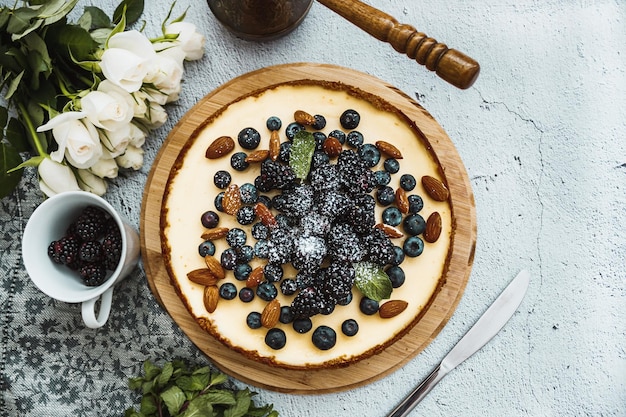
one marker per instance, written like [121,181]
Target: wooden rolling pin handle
[451,65]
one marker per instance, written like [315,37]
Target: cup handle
[89,310]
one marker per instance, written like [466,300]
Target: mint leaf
[301,153]
[240,408]
[174,398]
[199,407]
[372,281]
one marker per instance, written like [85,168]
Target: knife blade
[485,328]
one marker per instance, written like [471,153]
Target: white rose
[137,136]
[55,178]
[165,74]
[116,141]
[89,182]
[109,111]
[145,96]
[105,167]
[132,158]
[77,139]
[126,60]
[155,115]
[190,40]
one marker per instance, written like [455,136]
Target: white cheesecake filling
[191,192]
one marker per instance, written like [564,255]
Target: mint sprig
[372,281]
[175,390]
[301,153]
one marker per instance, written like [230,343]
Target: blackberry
[416,204]
[249,193]
[236,237]
[315,224]
[370,154]
[304,279]
[93,274]
[309,252]
[288,286]
[355,139]
[320,122]
[292,129]
[298,200]
[238,161]
[222,179]
[391,165]
[354,175]
[91,223]
[307,303]
[324,338]
[339,278]
[276,175]
[362,216]
[112,249]
[65,250]
[261,249]
[273,123]
[280,245]
[385,195]
[324,178]
[273,272]
[339,135]
[260,231]
[249,138]
[246,215]
[407,182]
[413,246]
[350,119]
[319,159]
[90,251]
[265,200]
[379,248]
[333,204]
[344,244]
[275,338]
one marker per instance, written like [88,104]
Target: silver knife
[487,326]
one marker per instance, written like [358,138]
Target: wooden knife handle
[451,65]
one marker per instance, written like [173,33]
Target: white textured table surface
[542,134]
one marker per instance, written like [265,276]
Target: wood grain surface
[327,380]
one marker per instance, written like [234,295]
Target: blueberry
[273,272]
[382,178]
[324,337]
[210,219]
[245,254]
[399,256]
[249,138]
[228,259]
[302,325]
[414,224]
[265,200]
[368,306]
[385,196]
[319,140]
[319,158]
[218,201]
[320,122]
[392,216]
[354,139]
[249,193]
[242,271]
[273,123]
[228,291]
[288,286]
[278,201]
[246,294]
[236,237]
[238,161]
[350,327]
[276,339]
[369,154]
[286,316]
[339,135]
[284,152]
[261,249]
[221,179]
[413,246]
[345,300]
[396,276]
[206,248]
[416,204]
[260,231]
[253,320]
[407,182]
[246,215]
[266,291]
[292,129]
[391,165]
[350,119]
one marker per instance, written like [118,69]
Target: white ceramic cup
[48,223]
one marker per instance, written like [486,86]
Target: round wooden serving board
[367,370]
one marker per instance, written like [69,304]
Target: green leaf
[13,85]
[220,396]
[21,21]
[4,118]
[9,158]
[199,407]
[241,407]
[301,153]
[165,375]
[76,41]
[217,378]
[372,281]
[148,405]
[174,398]
[134,10]
[193,382]
[99,18]
[16,135]
[55,10]
[150,370]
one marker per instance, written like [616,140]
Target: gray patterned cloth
[50,363]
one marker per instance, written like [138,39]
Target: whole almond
[211,298]
[214,266]
[215,234]
[255,278]
[231,203]
[265,215]
[270,314]
[433,227]
[392,308]
[304,118]
[388,149]
[402,201]
[274,145]
[202,276]
[332,147]
[220,147]
[435,188]
[258,156]
[390,231]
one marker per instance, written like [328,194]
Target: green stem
[31,130]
